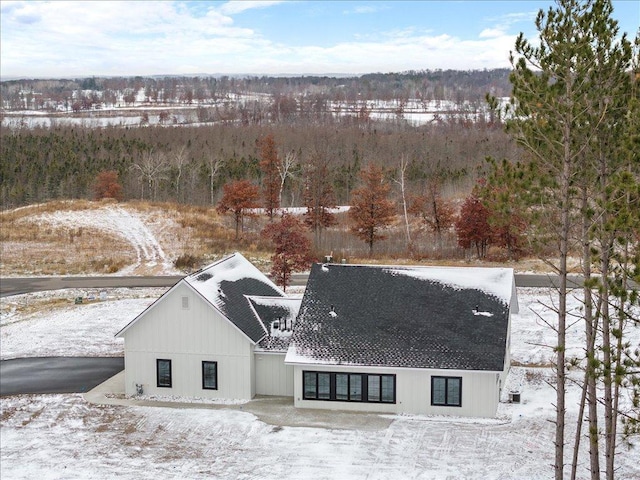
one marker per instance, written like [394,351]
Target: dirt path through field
[128,224]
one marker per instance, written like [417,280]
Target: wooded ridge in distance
[190,165]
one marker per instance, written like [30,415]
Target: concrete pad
[276,411]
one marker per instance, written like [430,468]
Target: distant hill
[168,90]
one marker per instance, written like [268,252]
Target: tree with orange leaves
[371,210]
[472,226]
[107,186]
[238,197]
[292,248]
[269,163]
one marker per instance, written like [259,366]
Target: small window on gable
[185,303]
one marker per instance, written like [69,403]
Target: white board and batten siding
[480,391]
[273,377]
[187,331]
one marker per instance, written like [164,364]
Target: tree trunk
[565,223]
[591,321]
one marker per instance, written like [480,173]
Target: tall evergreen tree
[569,94]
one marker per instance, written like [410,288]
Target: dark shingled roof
[270,309]
[380,316]
[227,284]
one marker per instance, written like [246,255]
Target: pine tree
[566,93]
[504,193]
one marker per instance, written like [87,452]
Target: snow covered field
[142,231]
[63,436]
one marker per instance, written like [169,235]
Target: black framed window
[163,372]
[209,375]
[349,387]
[446,391]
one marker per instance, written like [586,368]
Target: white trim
[150,307]
[379,367]
[255,314]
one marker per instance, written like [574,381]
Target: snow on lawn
[53,325]
[62,436]
[532,339]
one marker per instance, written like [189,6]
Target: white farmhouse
[219,333]
[420,340]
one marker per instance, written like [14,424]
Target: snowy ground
[140,230]
[62,436]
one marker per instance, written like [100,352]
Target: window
[210,375]
[185,303]
[381,388]
[342,386]
[163,372]
[355,387]
[446,391]
[349,387]
[324,386]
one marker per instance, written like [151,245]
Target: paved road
[56,374]
[17,285]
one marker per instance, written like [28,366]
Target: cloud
[366,9]
[507,22]
[75,39]
[238,6]
[491,33]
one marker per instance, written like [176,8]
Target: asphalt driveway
[56,374]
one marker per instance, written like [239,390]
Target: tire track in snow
[150,257]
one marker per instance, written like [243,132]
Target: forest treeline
[191,164]
[425,85]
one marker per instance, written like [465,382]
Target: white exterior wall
[507,355]
[480,391]
[273,377]
[187,337]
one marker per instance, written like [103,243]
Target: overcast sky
[76,39]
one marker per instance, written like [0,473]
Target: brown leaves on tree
[269,163]
[318,198]
[292,248]
[437,213]
[238,197]
[371,210]
[472,226]
[107,186]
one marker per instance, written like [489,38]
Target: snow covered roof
[419,317]
[282,311]
[228,285]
